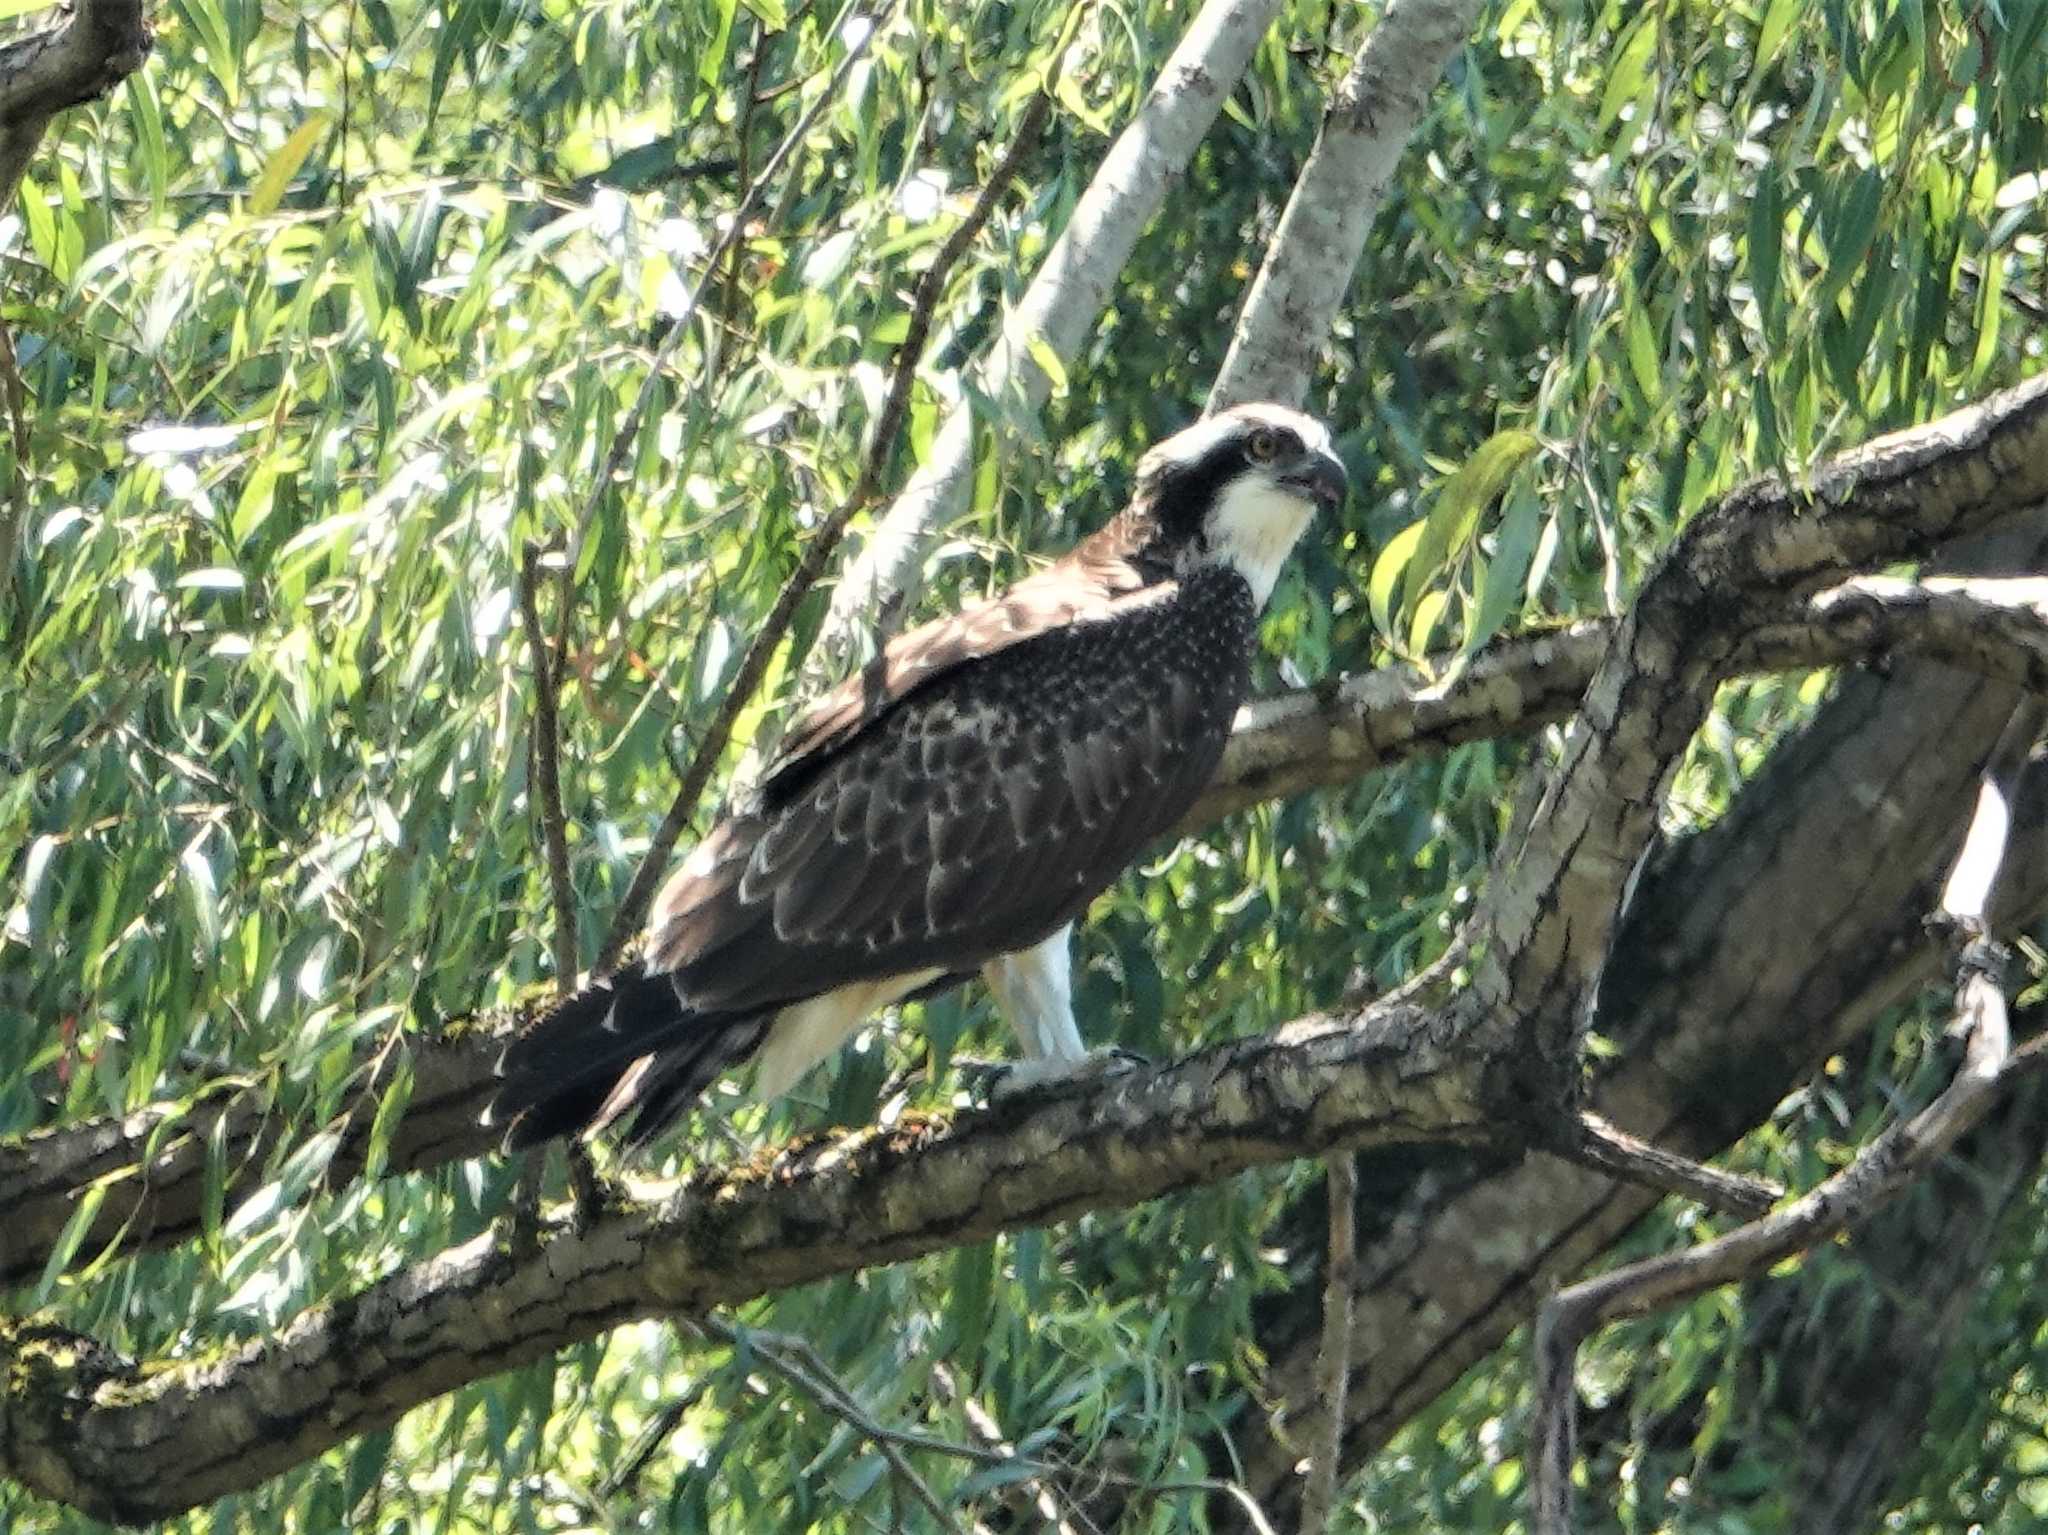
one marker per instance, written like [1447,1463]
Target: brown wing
[1084,585]
[973,815]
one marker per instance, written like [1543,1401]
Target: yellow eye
[1263,446]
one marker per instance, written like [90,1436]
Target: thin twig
[990,1433]
[1631,1159]
[15,517]
[739,693]
[742,137]
[1213,1486]
[547,770]
[1333,1362]
[348,48]
[652,1438]
[816,1380]
[750,200]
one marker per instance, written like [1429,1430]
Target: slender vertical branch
[547,770]
[1308,266]
[775,627]
[752,194]
[742,138]
[14,515]
[1333,1364]
[1062,305]
[1592,1141]
[1966,898]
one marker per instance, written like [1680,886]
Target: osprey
[954,807]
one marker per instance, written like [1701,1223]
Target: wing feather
[980,811]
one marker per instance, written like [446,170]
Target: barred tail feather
[621,1043]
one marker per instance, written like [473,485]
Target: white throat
[1254,528]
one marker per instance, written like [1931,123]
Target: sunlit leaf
[284,163]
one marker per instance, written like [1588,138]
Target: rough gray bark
[1059,309]
[131,1441]
[1300,287]
[80,59]
[1282,746]
[123,1442]
[1752,950]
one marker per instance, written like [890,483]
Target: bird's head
[1237,488]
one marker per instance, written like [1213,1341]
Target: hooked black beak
[1321,478]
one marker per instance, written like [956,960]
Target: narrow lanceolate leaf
[1631,75]
[1387,572]
[1049,363]
[147,116]
[1454,519]
[1766,244]
[66,1246]
[284,164]
[1851,230]
[1776,28]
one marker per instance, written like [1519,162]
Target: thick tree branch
[1316,737]
[86,55]
[1995,626]
[1282,746]
[1308,266]
[129,1443]
[1059,309]
[1544,926]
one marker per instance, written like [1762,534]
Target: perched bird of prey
[954,807]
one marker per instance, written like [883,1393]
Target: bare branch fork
[1393,1073]
[153,1160]
[1881,1171]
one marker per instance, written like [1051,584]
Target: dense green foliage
[322,317]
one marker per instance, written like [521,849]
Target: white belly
[804,1034]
